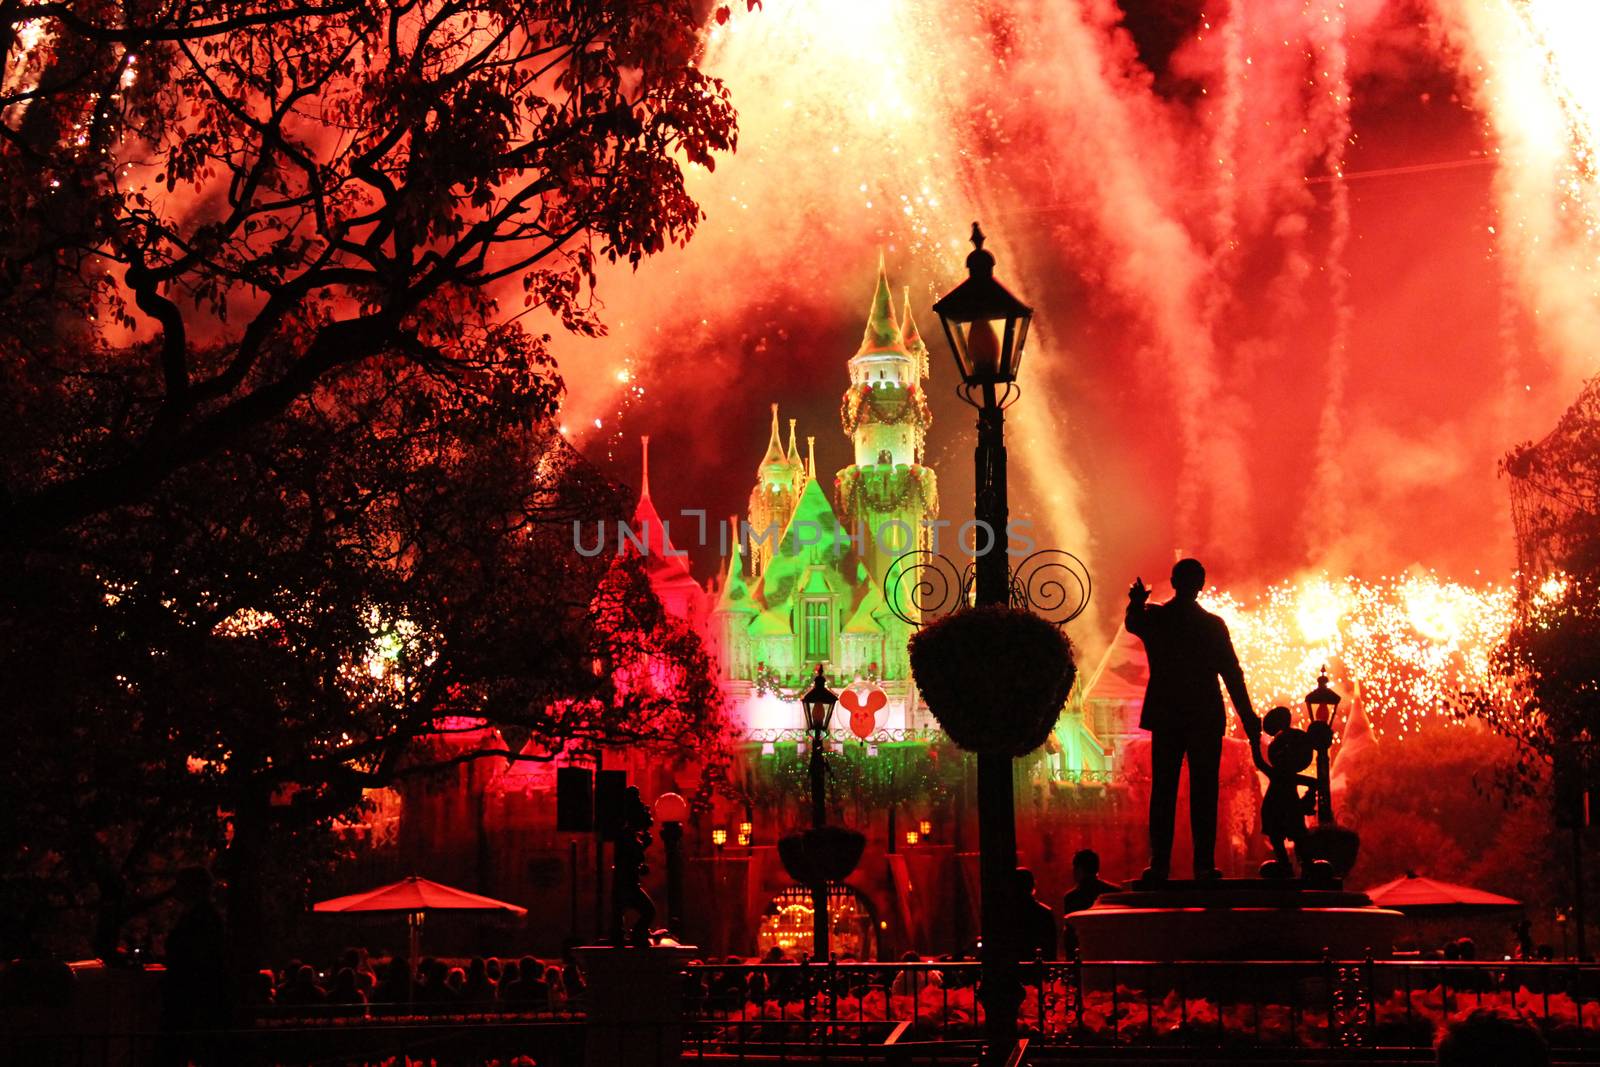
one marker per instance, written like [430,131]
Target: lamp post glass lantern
[985,325]
[818,703]
[987,329]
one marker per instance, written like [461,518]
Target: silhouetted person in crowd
[910,982]
[1189,649]
[301,989]
[555,995]
[528,992]
[195,986]
[571,975]
[1036,924]
[346,992]
[479,988]
[1522,930]
[1488,1038]
[395,985]
[1087,886]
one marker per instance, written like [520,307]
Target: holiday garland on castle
[890,405]
[863,489]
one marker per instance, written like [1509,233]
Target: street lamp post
[1322,704]
[986,327]
[671,812]
[818,703]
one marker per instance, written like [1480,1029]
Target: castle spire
[913,339]
[775,444]
[793,450]
[735,594]
[882,331]
[811,457]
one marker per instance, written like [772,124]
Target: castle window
[816,630]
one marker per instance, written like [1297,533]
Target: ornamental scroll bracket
[922,586]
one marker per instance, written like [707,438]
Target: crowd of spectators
[484,983]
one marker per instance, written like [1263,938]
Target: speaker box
[574,799]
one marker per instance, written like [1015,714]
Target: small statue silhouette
[628,866]
[1283,810]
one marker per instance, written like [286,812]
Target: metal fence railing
[1319,1005]
[923,1012]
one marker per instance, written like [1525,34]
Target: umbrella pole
[413,942]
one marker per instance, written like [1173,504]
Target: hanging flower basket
[816,856]
[995,677]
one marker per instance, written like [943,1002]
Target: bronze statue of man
[628,867]
[1189,649]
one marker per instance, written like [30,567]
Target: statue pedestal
[633,1001]
[1235,919]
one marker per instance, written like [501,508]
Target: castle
[804,580]
[804,584]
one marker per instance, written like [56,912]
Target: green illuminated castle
[804,585]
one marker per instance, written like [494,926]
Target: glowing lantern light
[1322,703]
[719,837]
[912,837]
[925,828]
[671,807]
[818,703]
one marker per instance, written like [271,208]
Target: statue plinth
[1235,919]
[633,1003]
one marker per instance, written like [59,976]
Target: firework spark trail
[1106,131]
[1330,101]
[1225,142]
[1410,645]
[1530,63]
[869,122]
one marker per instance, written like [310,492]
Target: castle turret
[647,536]
[779,479]
[887,496]
[913,338]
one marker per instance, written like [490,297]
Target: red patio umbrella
[415,898]
[1416,895]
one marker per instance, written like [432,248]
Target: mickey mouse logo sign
[863,702]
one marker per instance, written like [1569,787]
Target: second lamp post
[818,703]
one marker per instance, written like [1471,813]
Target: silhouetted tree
[280,494]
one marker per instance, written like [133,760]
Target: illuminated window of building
[816,631]
[786,925]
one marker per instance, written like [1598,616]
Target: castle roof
[775,456]
[813,538]
[668,569]
[735,595]
[883,332]
[1122,672]
[912,336]
[864,620]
